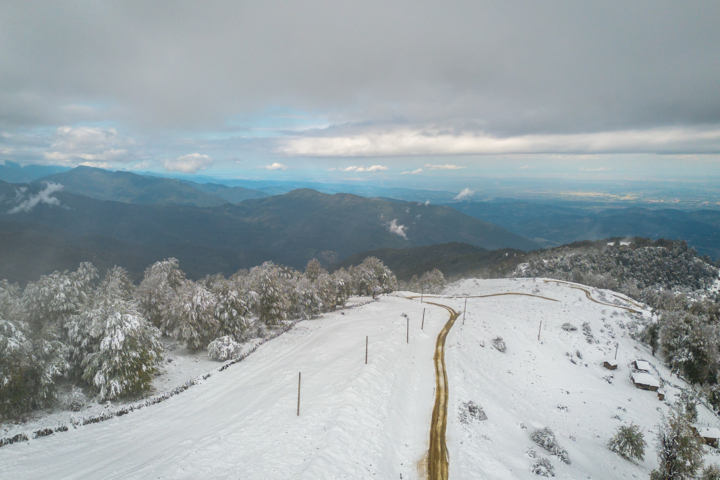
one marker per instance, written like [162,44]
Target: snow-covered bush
[569,327]
[74,400]
[542,467]
[628,442]
[115,349]
[224,348]
[471,411]
[546,439]
[711,472]
[499,344]
[313,270]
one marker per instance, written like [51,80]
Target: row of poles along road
[367,340]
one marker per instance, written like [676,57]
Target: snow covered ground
[372,421]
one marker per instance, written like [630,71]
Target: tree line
[106,332]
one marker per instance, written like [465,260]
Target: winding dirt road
[589,296]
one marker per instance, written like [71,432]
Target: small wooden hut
[645,381]
[709,435]
[610,364]
[643,366]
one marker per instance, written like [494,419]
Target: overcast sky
[361,90]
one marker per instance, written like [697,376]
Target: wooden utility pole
[408,329]
[366,349]
[422,327]
[299,378]
[616,349]
[464,309]
[539,330]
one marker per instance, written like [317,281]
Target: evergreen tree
[628,442]
[679,450]
[158,289]
[192,318]
[115,349]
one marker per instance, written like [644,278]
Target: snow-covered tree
[628,442]
[372,277]
[272,300]
[158,289]
[305,301]
[232,306]
[690,345]
[115,349]
[192,315]
[679,450]
[344,286]
[50,301]
[313,270]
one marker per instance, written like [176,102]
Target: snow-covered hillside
[372,421]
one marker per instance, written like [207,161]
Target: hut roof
[612,363]
[644,379]
[708,432]
[642,365]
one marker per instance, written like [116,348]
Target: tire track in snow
[438,455]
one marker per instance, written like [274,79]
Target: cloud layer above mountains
[369,79]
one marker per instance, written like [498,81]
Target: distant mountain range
[552,225]
[290,228]
[12,172]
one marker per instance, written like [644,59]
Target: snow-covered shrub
[115,349]
[157,292]
[471,411]
[542,467]
[546,439]
[74,400]
[499,344]
[628,442]
[224,348]
[313,270]
[711,472]
[587,331]
[679,450]
[569,327]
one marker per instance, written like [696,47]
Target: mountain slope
[230,194]
[129,187]
[12,172]
[299,225]
[554,224]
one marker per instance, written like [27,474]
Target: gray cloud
[27,201]
[468,70]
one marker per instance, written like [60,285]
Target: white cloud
[414,172]
[525,167]
[443,167]
[397,229]
[188,163]
[75,145]
[355,168]
[424,142]
[599,169]
[464,194]
[26,204]
[275,166]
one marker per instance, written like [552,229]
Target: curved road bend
[589,296]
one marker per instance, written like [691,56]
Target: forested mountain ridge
[129,187]
[558,224]
[290,229]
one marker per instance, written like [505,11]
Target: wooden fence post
[422,327]
[539,329]
[616,349]
[408,329]
[299,378]
[464,309]
[366,349]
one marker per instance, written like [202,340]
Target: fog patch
[27,203]
[397,229]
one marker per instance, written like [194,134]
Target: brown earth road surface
[589,296]
[438,455]
[438,462]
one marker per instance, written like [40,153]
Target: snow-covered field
[372,421]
